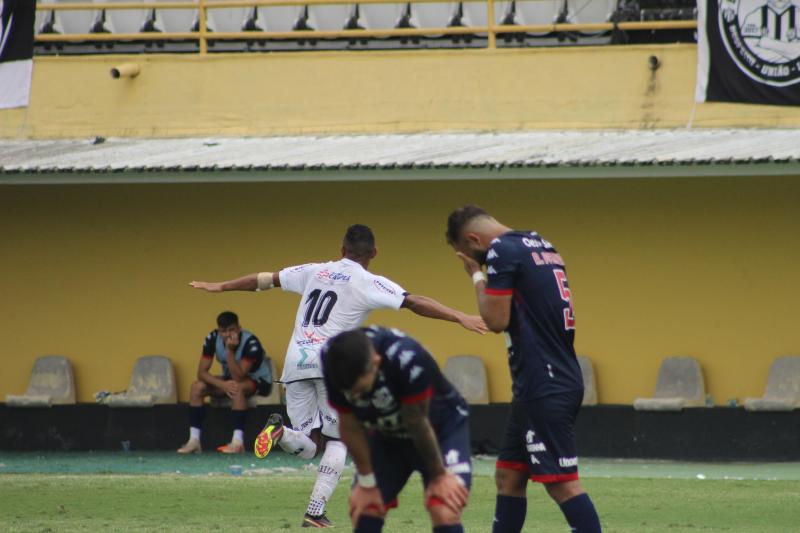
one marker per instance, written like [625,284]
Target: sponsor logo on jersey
[383,400]
[333,277]
[531,243]
[492,254]
[567,462]
[385,288]
[451,457]
[529,436]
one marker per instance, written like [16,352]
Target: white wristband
[264,281]
[478,277]
[366,481]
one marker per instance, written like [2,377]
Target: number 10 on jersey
[566,295]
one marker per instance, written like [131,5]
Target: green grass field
[650,497]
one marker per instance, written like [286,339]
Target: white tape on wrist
[477,277]
[367,481]
[265,281]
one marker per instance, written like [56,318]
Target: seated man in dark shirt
[398,414]
[245,371]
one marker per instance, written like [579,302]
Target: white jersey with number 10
[336,297]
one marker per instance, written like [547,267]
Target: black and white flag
[16,51]
[748,51]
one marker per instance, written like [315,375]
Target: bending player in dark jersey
[398,414]
[527,296]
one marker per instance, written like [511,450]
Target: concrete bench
[468,375]
[152,382]
[52,382]
[680,384]
[783,387]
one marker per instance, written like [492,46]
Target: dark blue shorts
[540,438]
[393,460]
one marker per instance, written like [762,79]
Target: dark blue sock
[239,418]
[453,528]
[509,514]
[196,415]
[581,514]
[369,524]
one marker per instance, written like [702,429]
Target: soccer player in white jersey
[336,296]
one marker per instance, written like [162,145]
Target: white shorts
[308,408]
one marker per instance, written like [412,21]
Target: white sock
[328,474]
[194,433]
[238,435]
[297,443]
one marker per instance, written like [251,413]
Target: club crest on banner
[761,37]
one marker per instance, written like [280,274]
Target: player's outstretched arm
[365,496]
[251,282]
[430,308]
[443,485]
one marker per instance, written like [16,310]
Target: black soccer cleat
[316,521]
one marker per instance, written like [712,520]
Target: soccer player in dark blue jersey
[398,414]
[525,294]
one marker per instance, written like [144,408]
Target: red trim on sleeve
[499,292]
[340,408]
[206,356]
[554,478]
[512,465]
[424,395]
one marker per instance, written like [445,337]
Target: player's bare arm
[205,376]
[238,369]
[430,308]
[494,309]
[443,485]
[365,496]
[251,282]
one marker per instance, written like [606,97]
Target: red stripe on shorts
[554,478]
[511,465]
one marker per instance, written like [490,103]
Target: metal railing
[203,35]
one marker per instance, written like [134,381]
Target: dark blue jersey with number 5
[541,331]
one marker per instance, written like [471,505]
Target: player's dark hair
[347,357]
[359,242]
[227,319]
[459,218]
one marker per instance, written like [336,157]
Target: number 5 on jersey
[566,295]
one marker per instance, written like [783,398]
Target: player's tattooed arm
[415,417]
[249,282]
[430,308]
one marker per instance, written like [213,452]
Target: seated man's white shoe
[191,446]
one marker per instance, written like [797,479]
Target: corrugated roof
[447,150]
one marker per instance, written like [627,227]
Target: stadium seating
[152,382]
[381,16]
[475,13]
[175,20]
[333,17]
[274,397]
[468,375]
[279,18]
[52,382]
[591,11]
[589,383]
[680,384]
[783,387]
[67,21]
[124,20]
[540,12]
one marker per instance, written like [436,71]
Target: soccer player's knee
[198,388]
[510,482]
[440,513]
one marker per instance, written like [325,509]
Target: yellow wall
[704,267]
[398,91]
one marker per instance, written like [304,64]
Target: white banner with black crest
[16,52]
[748,51]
